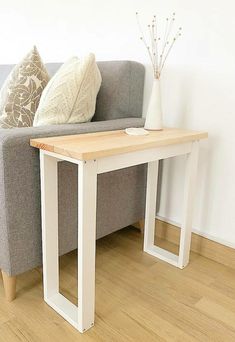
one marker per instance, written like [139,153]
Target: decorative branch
[170,48]
[168,29]
[158,56]
[142,37]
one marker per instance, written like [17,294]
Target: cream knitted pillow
[70,95]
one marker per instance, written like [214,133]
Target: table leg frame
[182,259]
[81,316]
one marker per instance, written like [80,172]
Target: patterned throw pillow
[70,96]
[21,92]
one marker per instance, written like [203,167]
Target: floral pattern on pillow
[21,92]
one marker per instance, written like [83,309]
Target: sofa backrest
[121,92]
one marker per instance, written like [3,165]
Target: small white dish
[136,131]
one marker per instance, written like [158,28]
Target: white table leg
[150,215]
[49,204]
[87,185]
[185,238]
[150,211]
[189,191]
[81,316]
[49,207]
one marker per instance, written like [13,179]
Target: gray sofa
[120,193]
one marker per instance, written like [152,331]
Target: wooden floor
[137,299]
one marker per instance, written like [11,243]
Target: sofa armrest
[18,134]
[20,221]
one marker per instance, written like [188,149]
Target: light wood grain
[103,144]
[9,286]
[137,298]
[201,245]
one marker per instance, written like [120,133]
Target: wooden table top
[102,144]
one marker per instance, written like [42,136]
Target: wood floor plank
[138,298]
[216,311]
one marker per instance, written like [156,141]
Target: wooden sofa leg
[139,225]
[9,284]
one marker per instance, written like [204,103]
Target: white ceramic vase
[154,113]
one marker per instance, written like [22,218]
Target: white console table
[96,153]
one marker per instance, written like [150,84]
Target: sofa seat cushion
[70,96]
[21,92]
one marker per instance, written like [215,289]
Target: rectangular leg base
[67,310]
[164,255]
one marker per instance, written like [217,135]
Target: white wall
[198,83]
